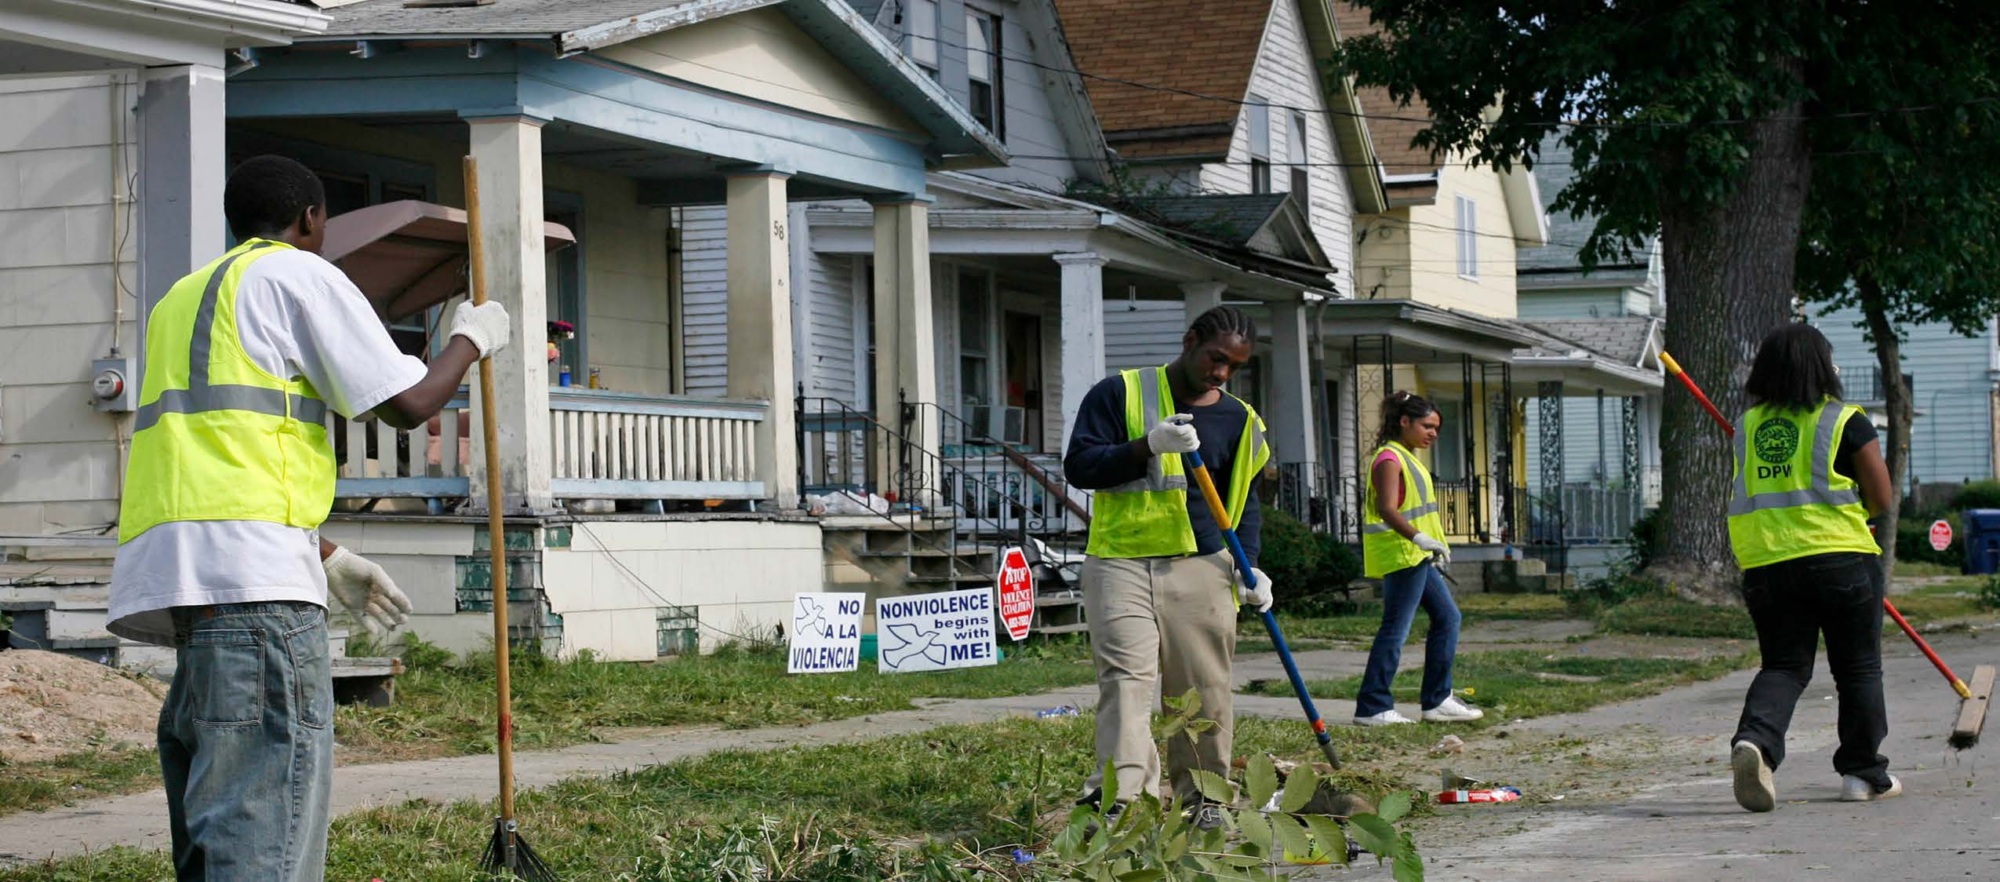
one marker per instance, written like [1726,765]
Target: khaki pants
[1160,625]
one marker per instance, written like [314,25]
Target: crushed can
[1492,794]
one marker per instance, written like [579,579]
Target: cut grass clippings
[447,711]
[908,807]
[1508,685]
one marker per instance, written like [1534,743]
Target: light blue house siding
[1952,378]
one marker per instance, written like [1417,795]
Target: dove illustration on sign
[810,619]
[912,643]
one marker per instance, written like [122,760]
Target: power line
[1572,124]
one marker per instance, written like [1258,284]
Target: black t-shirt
[1859,431]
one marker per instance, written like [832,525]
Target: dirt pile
[52,704]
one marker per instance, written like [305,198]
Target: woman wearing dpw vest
[1809,473]
[1159,589]
[1400,545]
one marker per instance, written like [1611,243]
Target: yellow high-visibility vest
[1149,517]
[217,437]
[1383,550]
[1788,502]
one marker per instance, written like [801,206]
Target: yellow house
[1434,310]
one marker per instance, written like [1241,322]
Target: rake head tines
[509,855]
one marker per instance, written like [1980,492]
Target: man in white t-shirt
[219,553]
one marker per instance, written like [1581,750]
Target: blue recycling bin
[1979,532]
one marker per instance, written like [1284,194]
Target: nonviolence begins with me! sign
[935,632]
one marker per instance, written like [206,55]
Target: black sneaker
[1206,816]
[1093,799]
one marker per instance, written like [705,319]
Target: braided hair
[1223,320]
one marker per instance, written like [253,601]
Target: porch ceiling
[598,115]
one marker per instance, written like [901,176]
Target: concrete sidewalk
[1677,818]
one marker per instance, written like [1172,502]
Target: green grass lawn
[1510,685]
[447,710]
[911,807]
[1320,632]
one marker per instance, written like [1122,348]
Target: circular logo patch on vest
[1777,440]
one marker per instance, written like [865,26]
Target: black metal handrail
[1018,499]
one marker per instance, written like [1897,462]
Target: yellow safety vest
[1149,517]
[217,437]
[1383,550]
[1788,501]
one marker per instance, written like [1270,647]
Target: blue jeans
[246,743]
[1402,592]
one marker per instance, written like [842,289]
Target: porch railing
[999,491]
[602,446]
[379,462]
[609,445]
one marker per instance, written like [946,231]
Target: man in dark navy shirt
[1160,589]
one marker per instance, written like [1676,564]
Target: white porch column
[1290,417]
[905,345]
[181,175]
[760,322]
[1082,331]
[509,150]
[1200,297]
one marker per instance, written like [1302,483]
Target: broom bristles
[1964,740]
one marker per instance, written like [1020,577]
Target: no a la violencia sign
[1017,593]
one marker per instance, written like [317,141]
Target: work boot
[1853,789]
[1754,788]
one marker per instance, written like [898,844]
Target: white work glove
[1175,434]
[486,325]
[1259,594]
[366,590]
[1433,546]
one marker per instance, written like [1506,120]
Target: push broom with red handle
[1957,685]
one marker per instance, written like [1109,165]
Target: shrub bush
[1308,569]
[1978,494]
[1913,541]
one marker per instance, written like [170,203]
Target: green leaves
[1214,786]
[1299,789]
[1394,806]
[1260,780]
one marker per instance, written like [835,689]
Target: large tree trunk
[1729,271]
[1896,399]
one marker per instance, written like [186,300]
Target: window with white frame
[920,35]
[1296,155]
[1260,144]
[975,348]
[982,68]
[1468,238]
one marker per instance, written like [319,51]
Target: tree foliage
[1705,121]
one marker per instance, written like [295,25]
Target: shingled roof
[1175,47]
[1625,340]
[1391,126]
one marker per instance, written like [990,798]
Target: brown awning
[408,256]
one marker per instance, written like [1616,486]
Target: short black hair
[266,193]
[1223,320]
[1794,369]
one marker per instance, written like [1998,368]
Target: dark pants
[1403,591]
[1794,603]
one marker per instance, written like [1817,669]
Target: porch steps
[1523,576]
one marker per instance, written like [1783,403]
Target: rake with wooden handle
[506,852]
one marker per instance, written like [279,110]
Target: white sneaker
[1853,789]
[1451,710]
[1754,789]
[1385,718]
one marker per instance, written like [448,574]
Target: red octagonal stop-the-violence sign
[1017,593]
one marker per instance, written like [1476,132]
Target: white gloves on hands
[366,590]
[486,325]
[1260,594]
[1433,546]
[1175,434]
